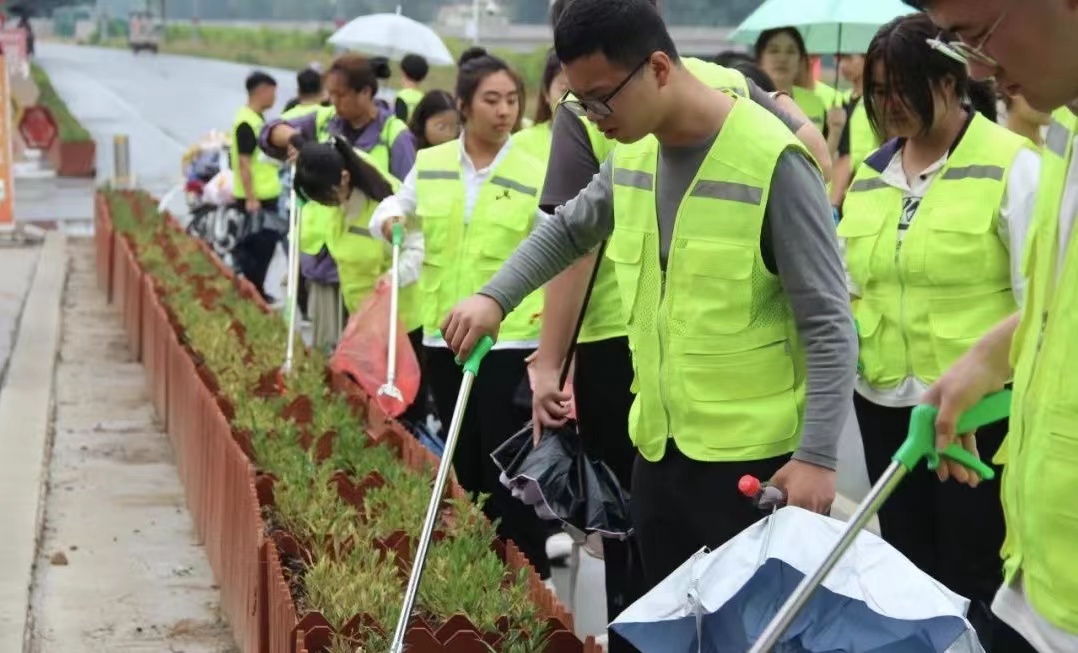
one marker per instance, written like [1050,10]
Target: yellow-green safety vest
[810,103]
[829,95]
[535,140]
[604,318]
[1040,483]
[461,258]
[317,217]
[411,98]
[922,306]
[265,172]
[717,361]
[863,139]
[362,259]
[301,110]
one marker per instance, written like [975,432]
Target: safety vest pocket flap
[867,320]
[967,318]
[860,225]
[948,217]
[744,375]
[718,261]
[626,247]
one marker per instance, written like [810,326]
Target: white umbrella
[873,600]
[392,36]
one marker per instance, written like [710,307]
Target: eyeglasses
[601,107]
[965,53]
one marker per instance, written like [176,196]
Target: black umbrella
[558,477]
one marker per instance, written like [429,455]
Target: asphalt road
[164,103]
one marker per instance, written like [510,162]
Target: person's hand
[806,485]
[383,281]
[836,119]
[252,205]
[470,320]
[959,389]
[550,404]
[387,226]
[295,143]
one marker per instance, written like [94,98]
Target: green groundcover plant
[344,573]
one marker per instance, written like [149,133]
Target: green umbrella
[828,26]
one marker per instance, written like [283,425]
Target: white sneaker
[559,546]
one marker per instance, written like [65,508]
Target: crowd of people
[680,214]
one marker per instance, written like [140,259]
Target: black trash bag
[561,482]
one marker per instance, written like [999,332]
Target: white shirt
[1015,216]
[404,204]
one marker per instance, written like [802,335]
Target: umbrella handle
[921,441]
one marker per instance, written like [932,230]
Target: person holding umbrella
[1029,48]
[934,228]
[743,346]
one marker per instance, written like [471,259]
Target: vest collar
[880,159]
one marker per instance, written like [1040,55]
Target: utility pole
[475,22]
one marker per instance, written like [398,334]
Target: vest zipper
[902,309]
[661,330]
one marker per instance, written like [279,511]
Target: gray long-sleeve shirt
[798,243]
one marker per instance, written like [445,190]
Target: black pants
[603,375]
[490,418]
[419,409]
[254,251]
[680,505]
[950,531]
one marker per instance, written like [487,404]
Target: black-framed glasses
[967,54]
[601,107]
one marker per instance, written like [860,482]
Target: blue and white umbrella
[873,601]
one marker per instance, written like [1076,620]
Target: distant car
[144,32]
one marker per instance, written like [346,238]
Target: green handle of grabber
[482,348]
[398,234]
[921,441]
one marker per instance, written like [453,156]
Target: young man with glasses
[730,279]
[1030,48]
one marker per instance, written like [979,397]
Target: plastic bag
[364,348]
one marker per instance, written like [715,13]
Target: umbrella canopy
[563,483]
[828,26]
[393,36]
[874,601]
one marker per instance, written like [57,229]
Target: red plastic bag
[364,346]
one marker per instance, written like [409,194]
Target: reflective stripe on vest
[923,304]
[265,172]
[460,259]
[1040,480]
[716,358]
[605,318]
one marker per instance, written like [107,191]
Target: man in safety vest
[730,279]
[1029,47]
[414,69]
[256,181]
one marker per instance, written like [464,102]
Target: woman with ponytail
[350,185]
[475,199]
[933,230]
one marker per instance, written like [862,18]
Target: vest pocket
[626,250]
[861,232]
[747,396]
[870,364]
[436,238]
[958,324]
[501,237]
[957,248]
[717,300]
[1053,510]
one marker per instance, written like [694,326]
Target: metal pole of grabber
[294,216]
[865,512]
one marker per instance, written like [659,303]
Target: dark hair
[983,98]
[257,79]
[768,34]
[319,167]
[415,67]
[626,32]
[359,72]
[433,103]
[309,82]
[475,66]
[743,63]
[731,58]
[912,67]
[473,52]
[543,113]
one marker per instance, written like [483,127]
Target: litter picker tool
[292,305]
[471,370]
[389,390]
[920,445]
